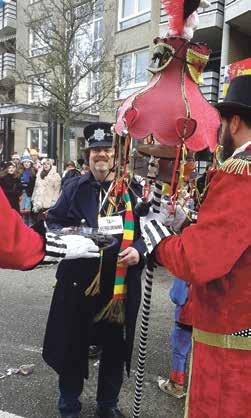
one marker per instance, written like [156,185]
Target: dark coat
[28,186]
[69,176]
[13,189]
[70,328]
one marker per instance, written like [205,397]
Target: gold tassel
[114,311]
[182,166]
[94,288]
[236,166]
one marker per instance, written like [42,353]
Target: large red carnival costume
[214,255]
[20,247]
[172,103]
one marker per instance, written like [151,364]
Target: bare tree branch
[65,59]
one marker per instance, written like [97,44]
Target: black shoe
[109,413]
[76,415]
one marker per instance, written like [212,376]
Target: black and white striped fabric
[143,339]
[243,333]
[154,232]
[157,193]
[55,249]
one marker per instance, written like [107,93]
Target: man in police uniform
[71,327]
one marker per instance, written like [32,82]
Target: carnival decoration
[235,69]
[173,121]
[171,103]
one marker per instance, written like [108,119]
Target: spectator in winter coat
[47,187]
[69,173]
[84,166]
[16,159]
[35,158]
[11,185]
[28,177]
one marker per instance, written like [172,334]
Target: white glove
[68,247]
[78,246]
[157,226]
[179,218]
[173,217]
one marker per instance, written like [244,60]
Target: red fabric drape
[20,247]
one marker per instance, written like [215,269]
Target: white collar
[242,148]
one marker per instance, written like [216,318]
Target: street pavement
[24,303]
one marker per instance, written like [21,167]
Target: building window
[132,72]
[36,92]
[39,42]
[214,62]
[133,12]
[88,47]
[38,138]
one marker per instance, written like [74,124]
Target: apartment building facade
[32,124]
[7,66]
[225,26]
[132,25]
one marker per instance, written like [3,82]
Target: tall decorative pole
[156,202]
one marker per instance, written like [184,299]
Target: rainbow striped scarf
[114,311]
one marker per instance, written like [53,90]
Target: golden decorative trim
[236,166]
[221,340]
[196,62]
[186,413]
[166,59]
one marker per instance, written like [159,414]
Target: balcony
[212,16]
[210,27]
[238,14]
[210,87]
[7,66]
[211,24]
[8,13]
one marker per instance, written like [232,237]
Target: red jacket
[215,256]
[21,248]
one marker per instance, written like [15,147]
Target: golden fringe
[236,166]
[114,311]
[94,288]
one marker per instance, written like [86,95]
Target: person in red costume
[22,248]
[215,256]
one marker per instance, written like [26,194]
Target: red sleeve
[208,250]
[21,248]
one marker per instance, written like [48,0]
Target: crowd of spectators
[32,185]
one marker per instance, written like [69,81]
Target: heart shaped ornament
[131,116]
[185,127]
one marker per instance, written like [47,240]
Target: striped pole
[146,313]
[156,202]
[143,338]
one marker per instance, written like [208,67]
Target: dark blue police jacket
[70,327]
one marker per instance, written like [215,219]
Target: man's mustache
[98,159]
